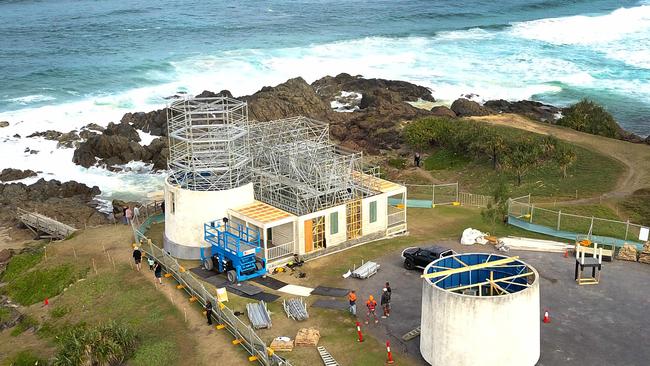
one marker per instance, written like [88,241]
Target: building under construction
[285,178]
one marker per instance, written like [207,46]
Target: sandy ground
[636,157]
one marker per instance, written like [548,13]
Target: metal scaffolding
[208,143]
[292,162]
[298,169]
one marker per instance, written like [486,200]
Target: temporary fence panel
[470,199]
[526,215]
[224,315]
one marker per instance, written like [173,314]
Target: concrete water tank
[488,316]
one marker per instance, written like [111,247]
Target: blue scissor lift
[234,251]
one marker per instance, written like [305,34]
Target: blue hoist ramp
[234,251]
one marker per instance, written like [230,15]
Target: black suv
[421,257]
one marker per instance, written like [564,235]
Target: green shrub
[21,263]
[34,286]
[108,344]
[5,314]
[445,159]
[637,206]
[24,358]
[587,116]
[398,163]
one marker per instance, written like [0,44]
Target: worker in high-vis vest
[371,304]
[352,298]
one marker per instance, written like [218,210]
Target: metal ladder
[412,334]
[328,360]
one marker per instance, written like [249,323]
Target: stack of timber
[644,257]
[535,245]
[627,253]
[307,337]
[282,344]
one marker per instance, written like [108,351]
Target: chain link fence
[148,214]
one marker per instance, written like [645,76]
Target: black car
[421,257]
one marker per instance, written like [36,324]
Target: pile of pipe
[366,270]
[295,308]
[259,315]
[535,245]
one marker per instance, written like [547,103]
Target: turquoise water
[91,60]
[66,63]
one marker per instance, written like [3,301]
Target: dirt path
[212,344]
[635,157]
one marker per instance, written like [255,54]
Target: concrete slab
[605,324]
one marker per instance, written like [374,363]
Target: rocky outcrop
[122,129]
[67,202]
[466,108]
[154,122]
[111,150]
[70,139]
[11,174]
[292,98]
[533,110]
[329,87]
[442,111]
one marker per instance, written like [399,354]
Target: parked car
[421,257]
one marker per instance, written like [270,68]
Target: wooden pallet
[412,334]
[328,360]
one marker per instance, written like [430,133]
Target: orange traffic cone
[566,253]
[547,319]
[46,302]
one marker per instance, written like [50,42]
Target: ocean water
[66,63]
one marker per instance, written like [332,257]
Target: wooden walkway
[40,224]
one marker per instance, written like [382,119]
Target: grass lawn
[591,175]
[113,294]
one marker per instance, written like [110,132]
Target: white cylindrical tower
[488,316]
[210,169]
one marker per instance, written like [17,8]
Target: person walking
[162,207]
[151,262]
[387,285]
[208,311]
[385,302]
[416,159]
[352,298]
[129,215]
[157,271]
[137,257]
[371,304]
[136,211]
[124,220]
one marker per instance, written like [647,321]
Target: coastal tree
[522,156]
[497,209]
[564,156]
[493,145]
[587,116]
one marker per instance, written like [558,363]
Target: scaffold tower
[208,143]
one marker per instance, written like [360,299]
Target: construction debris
[259,315]
[328,360]
[627,253]
[644,257]
[472,236]
[535,245]
[366,270]
[282,344]
[307,337]
[296,309]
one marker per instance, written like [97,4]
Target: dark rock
[209,94]
[4,124]
[66,202]
[292,98]
[122,129]
[329,87]
[465,108]
[533,110]
[159,152]
[68,140]
[100,147]
[48,135]
[10,174]
[154,122]
[442,111]
[17,136]
[33,152]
